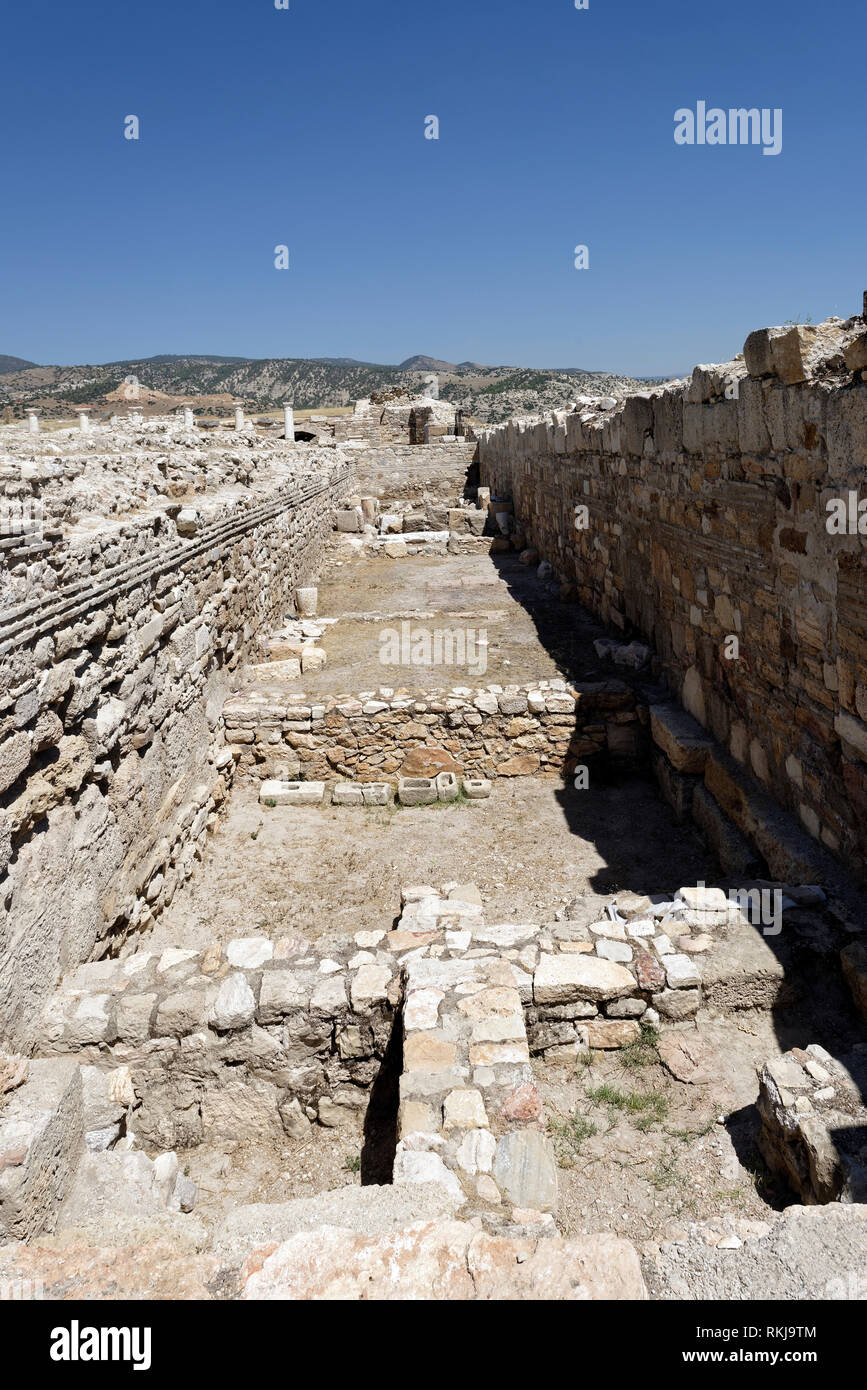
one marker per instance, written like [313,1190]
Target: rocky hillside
[485,393]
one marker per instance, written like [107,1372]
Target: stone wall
[113,671]
[409,472]
[706,510]
[544,730]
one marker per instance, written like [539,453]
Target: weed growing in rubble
[569,1134]
[642,1052]
[665,1172]
[686,1136]
[645,1108]
[353,1163]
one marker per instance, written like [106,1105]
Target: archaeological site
[432,852]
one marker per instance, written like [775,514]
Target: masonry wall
[113,763]
[706,520]
[409,472]
[519,732]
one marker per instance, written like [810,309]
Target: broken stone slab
[681,972]
[417,791]
[814,1118]
[367,1211]
[291,793]
[444,1260]
[41,1142]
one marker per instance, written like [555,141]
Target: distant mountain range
[211,382]
[13,364]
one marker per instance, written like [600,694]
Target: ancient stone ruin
[432,856]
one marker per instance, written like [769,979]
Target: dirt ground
[530,634]
[642,1154]
[332,870]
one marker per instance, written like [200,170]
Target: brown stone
[429,761]
[522,766]
[427,1052]
[687,1056]
[648,971]
[612,1033]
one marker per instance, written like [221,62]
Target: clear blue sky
[306,127]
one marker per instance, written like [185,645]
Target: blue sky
[305,127]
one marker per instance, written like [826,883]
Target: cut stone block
[292,793]
[477,788]
[562,978]
[447,786]
[347,794]
[377,793]
[734,851]
[416,791]
[312,659]
[525,1170]
[681,738]
[307,600]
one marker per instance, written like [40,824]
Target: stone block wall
[409,472]
[113,672]
[523,731]
[706,511]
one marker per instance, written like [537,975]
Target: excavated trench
[309,1096]
[639,1147]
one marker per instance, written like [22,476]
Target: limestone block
[377,793]
[347,794]
[562,978]
[525,1170]
[292,793]
[307,599]
[447,786]
[284,992]
[417,791]
[477,788]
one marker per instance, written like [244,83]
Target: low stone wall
[112,762]
[706,530]
[545,730]
[411,472]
